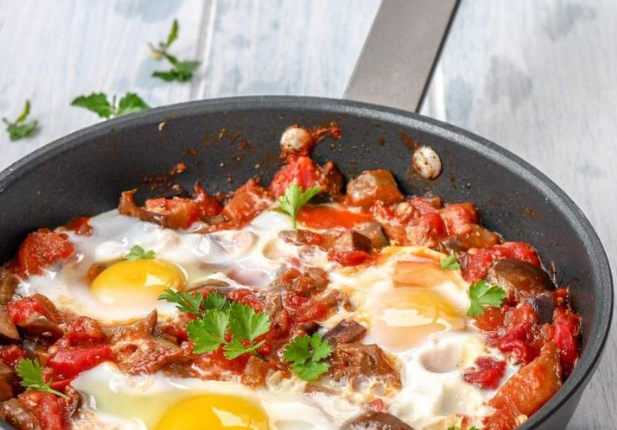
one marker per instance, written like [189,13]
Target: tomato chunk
[40,250]
[328,217]
[459,217]
[487,374]
[566,337]
[349,258]
[246,203]
[299,170]
[49,409]
[372,186]
[524,393]
[68,363]
[478,264]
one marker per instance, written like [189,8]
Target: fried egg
[115,401]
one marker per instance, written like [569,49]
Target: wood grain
[535,77]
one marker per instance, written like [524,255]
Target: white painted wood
[51,52]
[540,79]
[537,77]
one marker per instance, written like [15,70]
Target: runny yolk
[214,412]
[406,316]
[132,282]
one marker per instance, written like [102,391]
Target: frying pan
[224,142]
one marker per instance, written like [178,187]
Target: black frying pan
[224,142]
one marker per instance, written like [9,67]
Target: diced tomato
[12,355]
[49,409]
[83,331]
[328,217]
[80,225]
[40,250]
[524,393]
[247,297]
[487,374]
[424,205]
[68,363]
[179,212]
[207,205]
[246,203]
[299,170]
[349,258]
[514,342]
[478,264]
[522,314]
[313,311]
[30,308]
[458,217]
[491,319]
[566,337]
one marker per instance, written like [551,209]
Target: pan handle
[401,52]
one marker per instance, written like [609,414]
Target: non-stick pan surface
[224,142]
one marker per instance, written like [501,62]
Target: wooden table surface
[539,78]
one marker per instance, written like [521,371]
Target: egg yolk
[406,316]
[214,412]
[141,281]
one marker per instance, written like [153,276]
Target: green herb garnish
[294,199]
[99,104]
[450,263]
[31,376]
[20,128]
[138,253]
[306,355]
[181,71]
[482,295]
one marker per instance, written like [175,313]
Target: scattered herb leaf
[450,263]
[294,199]
[138,253]
[185,302]
[181,71]
[208,332]
[100,104]
[458,428]
[483,294]
[20,128]
[306,355]
[31,376]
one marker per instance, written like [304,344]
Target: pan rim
[601,275]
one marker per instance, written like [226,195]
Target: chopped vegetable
[138,253]
[99,104]
[450,263]
[182,71]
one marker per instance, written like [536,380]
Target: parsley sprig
[138,253]
[482,295]
[458,428]
[294,199]
[19,128]
[217,317]
[31,376]
[306,355]
[181,71]
[450,263]
[100,104]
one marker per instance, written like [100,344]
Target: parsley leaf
[295,198]
[32,378]
[305,353]
[138,253]
[216,300]
[20,129]
[246,324]
[483,294]
[181,71]
[236,348]
[458,428]
[185,302]
[100,104]
[208,332]
[450,263]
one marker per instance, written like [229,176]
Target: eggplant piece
[377,421]
[346,331]
[16,413]
[544,306]
[8,329]
[8,284]
[376,234]
[353,241]
[515,276]
[372,186]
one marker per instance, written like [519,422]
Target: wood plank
[53,53]
[539,79]
[300,47]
